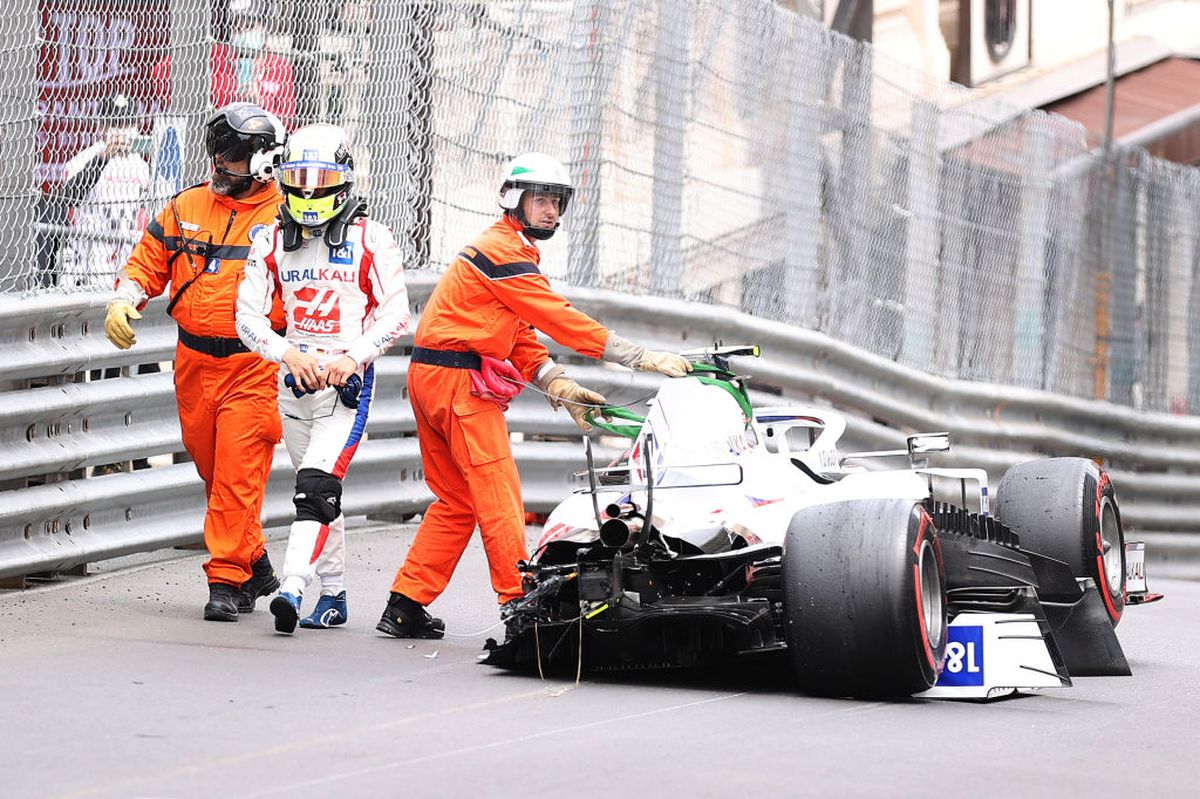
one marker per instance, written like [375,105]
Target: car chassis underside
[648,606]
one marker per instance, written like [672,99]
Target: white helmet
[317,174]
[535,172]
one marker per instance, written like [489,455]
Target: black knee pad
[318,496]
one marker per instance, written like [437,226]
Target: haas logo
[317,311]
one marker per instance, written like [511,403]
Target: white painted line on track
[331,778]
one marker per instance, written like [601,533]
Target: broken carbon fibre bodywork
[729,531]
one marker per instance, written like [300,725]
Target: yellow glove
[117,326]
[563,391]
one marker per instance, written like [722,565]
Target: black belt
[450,358]
[215,346]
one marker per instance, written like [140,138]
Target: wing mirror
[922,444]
[928,442]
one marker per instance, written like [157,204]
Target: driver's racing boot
[262,582]
[329,612]
[405,618]
[222,602]
[285,608]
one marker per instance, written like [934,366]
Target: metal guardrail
[55,423]
[1154,458]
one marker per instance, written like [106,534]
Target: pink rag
[496,381]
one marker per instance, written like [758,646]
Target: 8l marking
[964,656]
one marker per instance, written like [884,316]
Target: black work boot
[222,602]
[262,582]
[406,618]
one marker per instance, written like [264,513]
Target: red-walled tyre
[864,598]
[1065,508]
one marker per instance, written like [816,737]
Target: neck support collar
[335,232]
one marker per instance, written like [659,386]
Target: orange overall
[488,302]
[226,394]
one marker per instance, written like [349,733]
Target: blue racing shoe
[329,612]
[285,608]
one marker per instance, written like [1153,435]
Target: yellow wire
[597,611]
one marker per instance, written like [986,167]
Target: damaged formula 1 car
[728,530]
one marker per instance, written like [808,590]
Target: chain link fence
[730,153]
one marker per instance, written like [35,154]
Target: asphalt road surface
[112,686]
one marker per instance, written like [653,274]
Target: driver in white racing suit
[342,283]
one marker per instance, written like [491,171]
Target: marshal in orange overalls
[226,394]
[488,302]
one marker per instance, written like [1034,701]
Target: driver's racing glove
[625,352]
[117,325]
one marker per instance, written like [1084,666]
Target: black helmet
[241,131]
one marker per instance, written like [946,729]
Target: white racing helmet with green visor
[538,173]
[317,174]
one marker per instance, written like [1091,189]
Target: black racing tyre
[864,598]
[1066,509]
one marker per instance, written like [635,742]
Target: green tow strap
[710,375]
[723,379]
[626,430]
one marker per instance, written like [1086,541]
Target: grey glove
[635,356]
